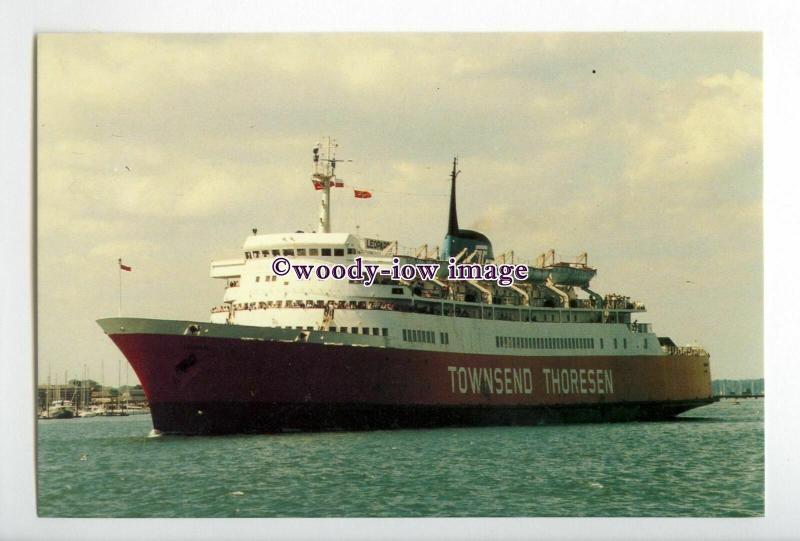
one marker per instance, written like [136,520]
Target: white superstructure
[543,316]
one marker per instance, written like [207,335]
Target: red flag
[339,184]
[362,194]
[317,184]
[124,267]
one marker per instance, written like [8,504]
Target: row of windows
[529,342]
[363,330]
[274,278]
[376,331]
[428,337]
[512,342]
[308,303]
[255,254]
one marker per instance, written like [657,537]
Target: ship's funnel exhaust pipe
[452,226]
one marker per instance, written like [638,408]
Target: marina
[86,398]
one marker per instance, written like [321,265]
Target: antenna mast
[325,178]
[452,226]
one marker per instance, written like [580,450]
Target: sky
[642,149]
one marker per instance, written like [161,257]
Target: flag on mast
[362,194]
[124,267]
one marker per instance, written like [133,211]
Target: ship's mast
[452,225]
[325,178]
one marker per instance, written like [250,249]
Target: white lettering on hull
[490,380]
[578,381]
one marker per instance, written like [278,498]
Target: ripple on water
[710,463]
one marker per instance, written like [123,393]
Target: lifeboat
[565,274]
[537,275]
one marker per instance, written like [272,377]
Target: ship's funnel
[456,240]
[452,226]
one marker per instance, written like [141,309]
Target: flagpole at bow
[126,268]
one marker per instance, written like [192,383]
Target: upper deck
[555,302]
[251,284]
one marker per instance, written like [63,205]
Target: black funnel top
[457,239]
[452,226]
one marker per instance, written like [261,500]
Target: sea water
[708,462]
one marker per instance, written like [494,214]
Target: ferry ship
[287,354]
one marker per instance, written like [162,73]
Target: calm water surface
[710,462]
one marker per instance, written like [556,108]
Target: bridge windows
[301,252]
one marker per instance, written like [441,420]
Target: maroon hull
[199,384]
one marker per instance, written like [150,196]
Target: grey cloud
[217,130]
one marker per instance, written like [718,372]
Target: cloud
[714,129]
[643,149]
